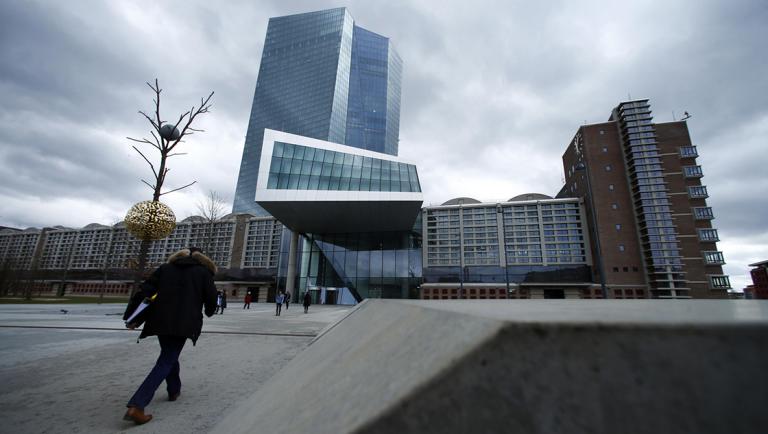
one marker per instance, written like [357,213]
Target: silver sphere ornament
[150,220]
[169,132]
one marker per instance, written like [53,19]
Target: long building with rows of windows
[100,259]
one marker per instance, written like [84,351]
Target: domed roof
[230,216]
[194,219]
[529,196]
[95,226]
[461,201]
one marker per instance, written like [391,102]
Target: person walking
[218,301]
[183,285]
[247,301]
[223,301]
[279,298]
[287,299]
[307,301]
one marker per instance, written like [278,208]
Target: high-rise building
[323,77]
[646,205]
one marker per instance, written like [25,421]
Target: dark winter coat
[307,299]
[184,285]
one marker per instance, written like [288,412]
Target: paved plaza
[72,368]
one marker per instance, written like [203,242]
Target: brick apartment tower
[643,194]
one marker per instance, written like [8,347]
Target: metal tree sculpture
[166,137]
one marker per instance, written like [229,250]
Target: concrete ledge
[524,366]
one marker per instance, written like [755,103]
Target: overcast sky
[493,91]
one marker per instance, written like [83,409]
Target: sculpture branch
[140,141]
[157,143]
[205,105]
[177,189]
[147,160]
[151,121]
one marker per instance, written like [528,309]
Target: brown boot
[137,416]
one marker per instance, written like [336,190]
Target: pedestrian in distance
[223,301]
[307,301]
[287,299]
[247,300]
[219,296]
[279,298]
[183,287]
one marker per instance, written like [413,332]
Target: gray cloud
[492,93]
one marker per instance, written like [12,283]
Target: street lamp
[595,233]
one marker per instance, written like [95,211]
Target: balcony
[698,192]
[688,152]
[719,282]
[708,235]
[713,258]
[703,213]
[692,171]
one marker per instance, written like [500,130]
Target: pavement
[570,366]
[72,368]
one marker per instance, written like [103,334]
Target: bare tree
[166,136]
[211,209]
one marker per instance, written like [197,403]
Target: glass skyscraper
[322,77]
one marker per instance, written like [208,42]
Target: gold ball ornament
[150,220]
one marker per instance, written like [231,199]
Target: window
[615,205]
[625,269]
[693,171]
[698,191]
[688,151]
[610,187]
[615,269]
[708,235]
[602,132]
[621,247]
[719,282]
[713,258]
[605,149]
[703,213]
[608,168]
[634,269]
[618,227]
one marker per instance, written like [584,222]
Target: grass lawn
[52,299]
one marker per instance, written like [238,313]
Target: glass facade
[373,103]
[653,208]
[513,274]
[304,88]
[369,265]
[296,167]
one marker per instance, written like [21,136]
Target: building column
[290,281]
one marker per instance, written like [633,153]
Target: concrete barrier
[544,366]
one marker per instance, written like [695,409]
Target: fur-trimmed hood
[183,256]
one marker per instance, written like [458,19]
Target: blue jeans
[166,368]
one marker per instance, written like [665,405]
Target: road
[73,372]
